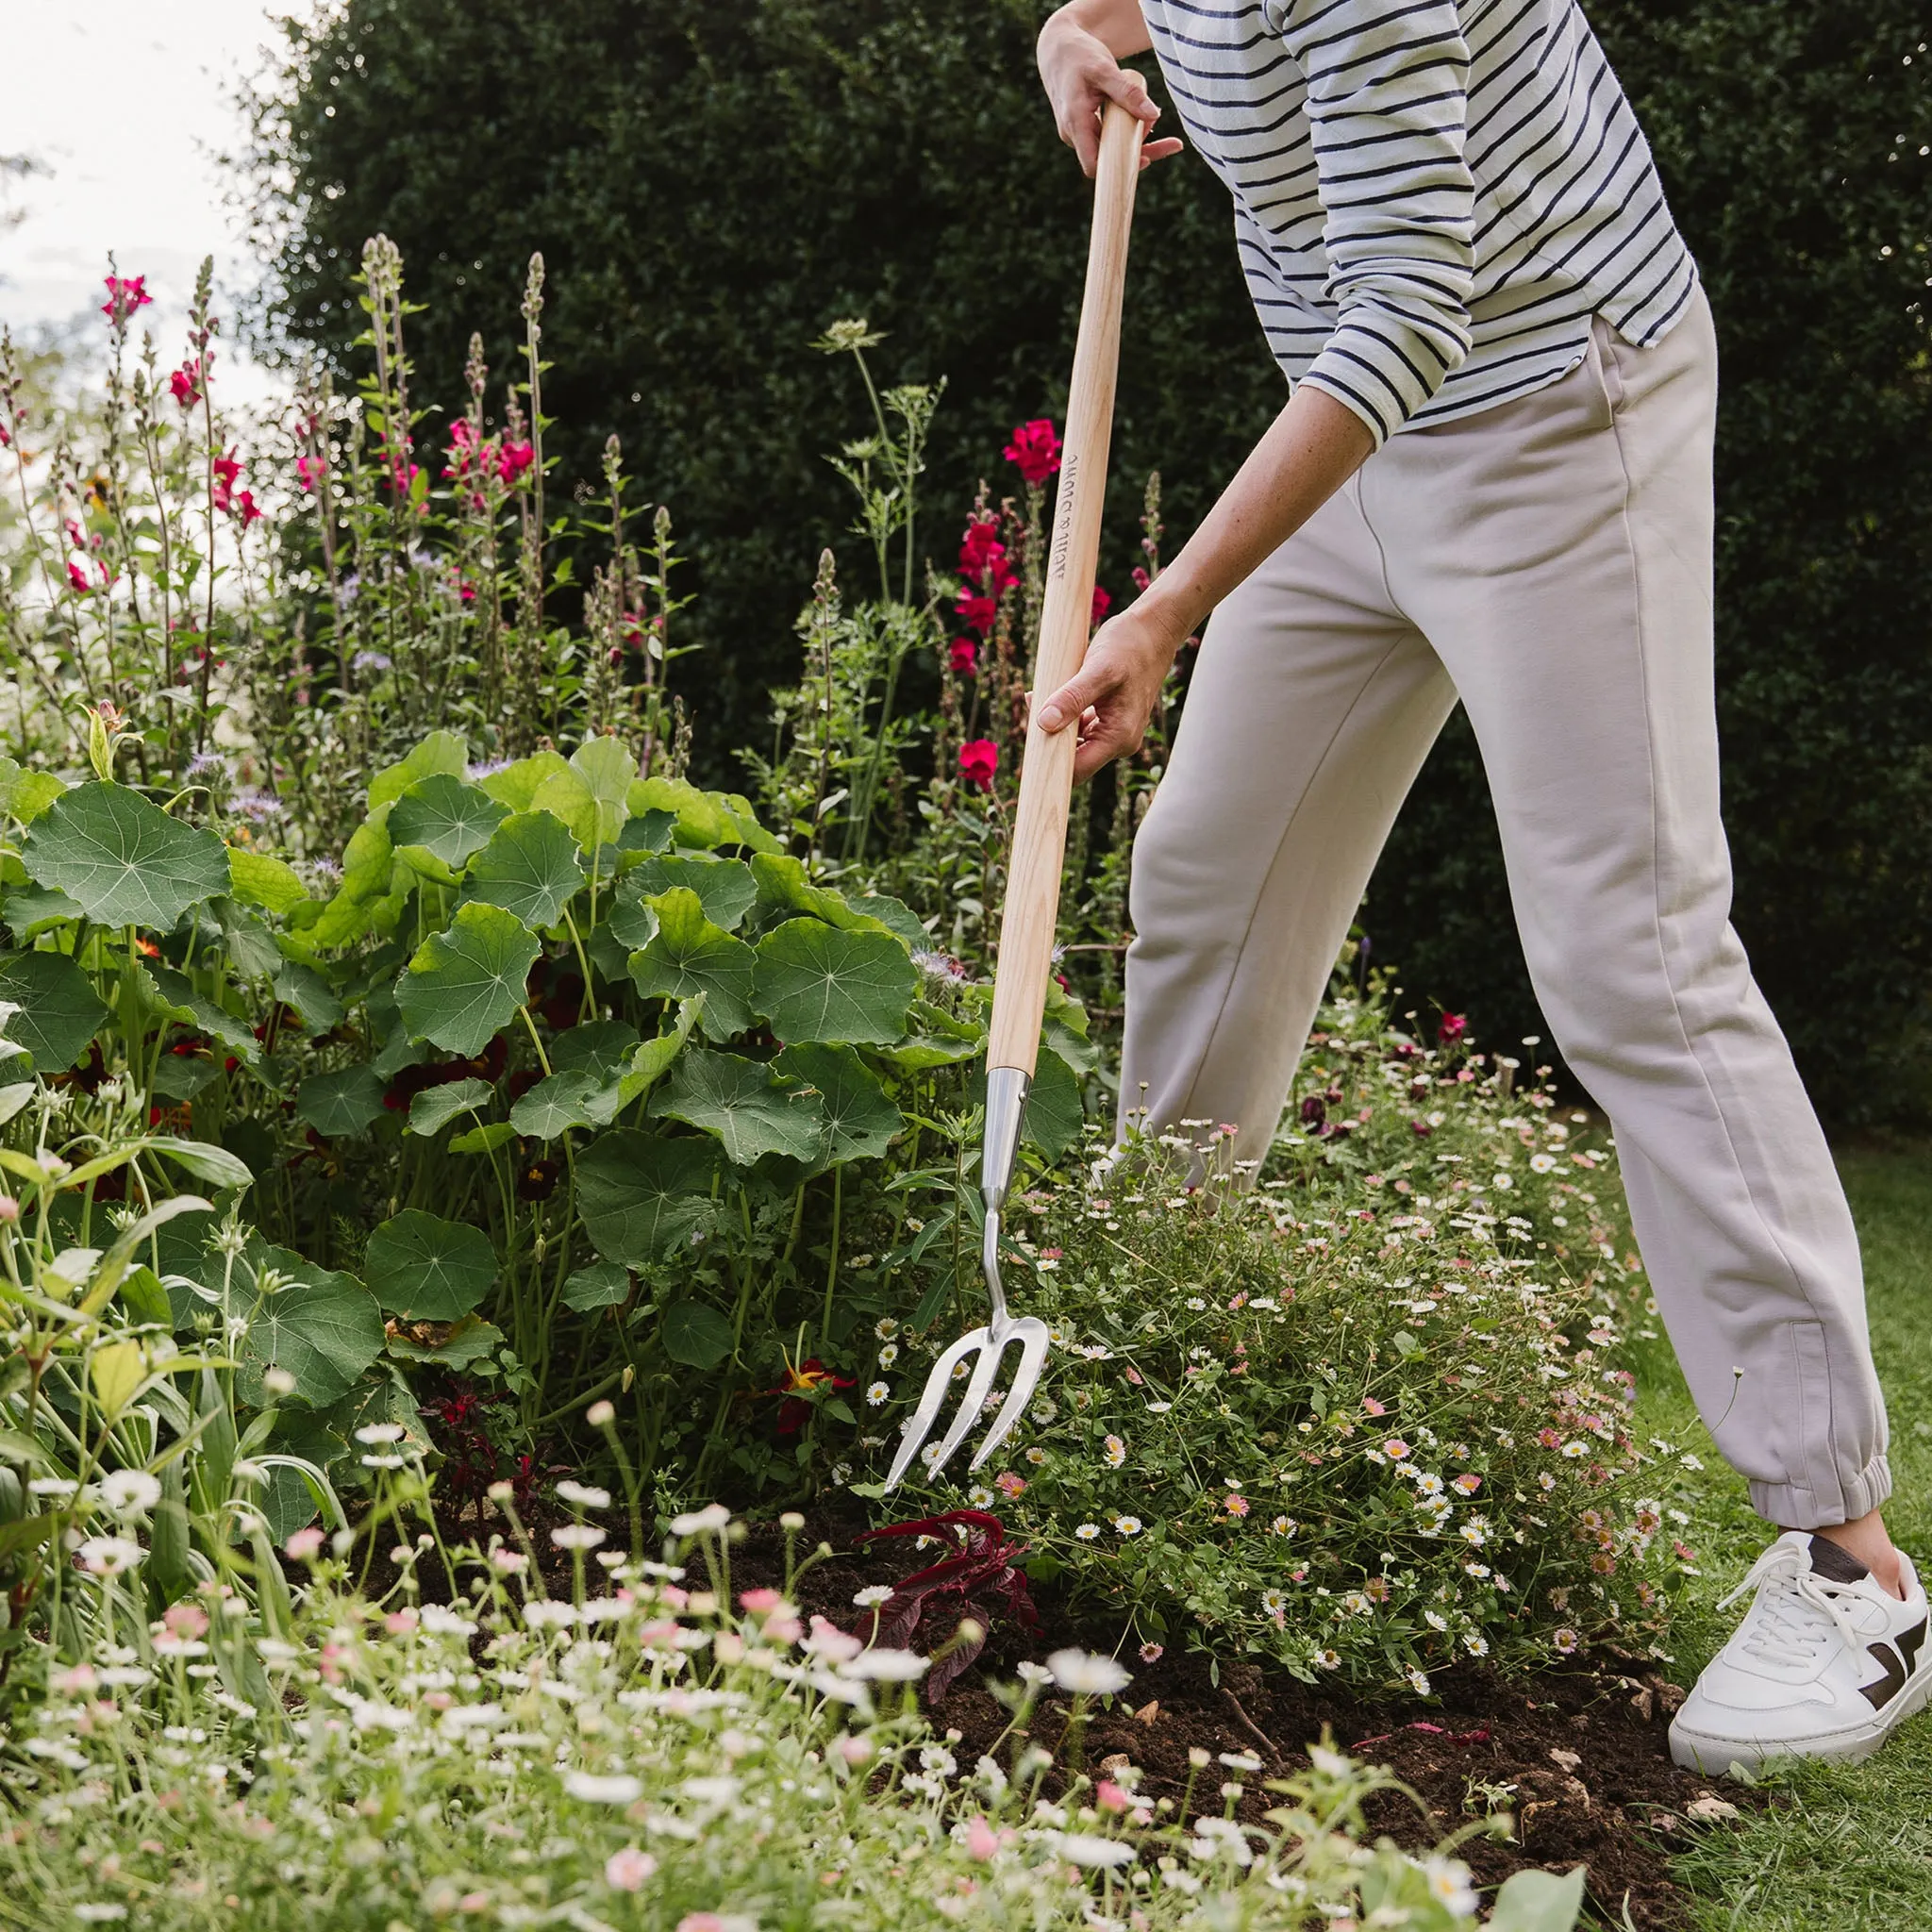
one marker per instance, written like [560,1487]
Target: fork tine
[937,1384]
[1031,1335]
[978,1390]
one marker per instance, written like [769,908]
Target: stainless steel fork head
[1005,1103]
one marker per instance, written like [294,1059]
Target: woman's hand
[1115,690]
[1080,53]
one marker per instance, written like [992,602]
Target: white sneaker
[1825,1664]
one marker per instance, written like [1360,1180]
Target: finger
[1097,752]
[1159,150]
[1085,138]
[1126,86]
[1088,685]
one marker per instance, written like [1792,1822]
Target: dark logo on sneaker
[1896,1669]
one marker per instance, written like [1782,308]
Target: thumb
[1083,689]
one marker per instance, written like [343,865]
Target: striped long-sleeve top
[1432,197]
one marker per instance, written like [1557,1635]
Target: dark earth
[1576,1758]
[1584,1750]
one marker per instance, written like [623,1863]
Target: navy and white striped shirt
[1432,197]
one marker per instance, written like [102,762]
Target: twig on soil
[1254,1730]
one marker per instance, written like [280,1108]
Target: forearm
[1310,450]
[1118,24]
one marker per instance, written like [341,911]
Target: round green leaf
[467,1342]
[442,750]
[643,1198]
[424,1269]
[1053,1105]
[433,1108]
[343,1102]
[122,860]
[597,1284]
[447,818]
[465,984]
[725,887]
[817,984]
[530,867]
[603,1047]
[322,1327]
[751,1109]
[859,1119]
[692,956]
[258,878]
[556,1104]
[696,1334]
[59,1009]
[516,784]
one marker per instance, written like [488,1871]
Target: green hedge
[711,186]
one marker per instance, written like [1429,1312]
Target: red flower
[76,575]
[514,459]
[801,1388]
[1451,1028]
[245,507]
[965,657]
[125,293]
[979,759]
[983,557]
[1036,449]
[309,471]
[186,384]
[227,473]
[1103,603]
[978,613]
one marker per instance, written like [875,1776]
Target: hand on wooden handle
[1113,693]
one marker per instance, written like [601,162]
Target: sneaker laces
[1782,1625]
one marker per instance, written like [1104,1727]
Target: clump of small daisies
[1365,1410]
[658,1751]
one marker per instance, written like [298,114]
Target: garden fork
[1039,829]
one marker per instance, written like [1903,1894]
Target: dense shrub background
[709,185]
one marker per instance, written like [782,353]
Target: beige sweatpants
[1548,563]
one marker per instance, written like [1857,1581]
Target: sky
[126,102]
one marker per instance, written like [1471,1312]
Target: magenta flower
[125,293]
[186,383]
[1103,603]
[1036,449]
[978,613]
[514,459]
[309,471]
[980,758]
[965,657]
[1452,1028]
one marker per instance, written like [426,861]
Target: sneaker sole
[1714,1756]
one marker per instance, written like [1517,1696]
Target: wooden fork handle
[1047,771]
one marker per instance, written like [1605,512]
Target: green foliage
[696,241]
[798,161]
[122,860]
[1370,1416]
[738,1810]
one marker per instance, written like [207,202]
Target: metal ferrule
[1006,1107]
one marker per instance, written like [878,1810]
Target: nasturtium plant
[530,867]
[422,1268]
[443,816]
[341,1103]
[464,985]
[691,955]
[59,1007]
[643,1197]
[751,1109]
[122,860]
[858,1118]
[317,1324]
[816,983]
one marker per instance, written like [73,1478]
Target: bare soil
[1578,1756]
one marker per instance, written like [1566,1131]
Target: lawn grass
[1853,1848]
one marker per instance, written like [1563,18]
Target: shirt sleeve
[1386,108]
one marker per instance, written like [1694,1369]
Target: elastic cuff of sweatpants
[1792,1506]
